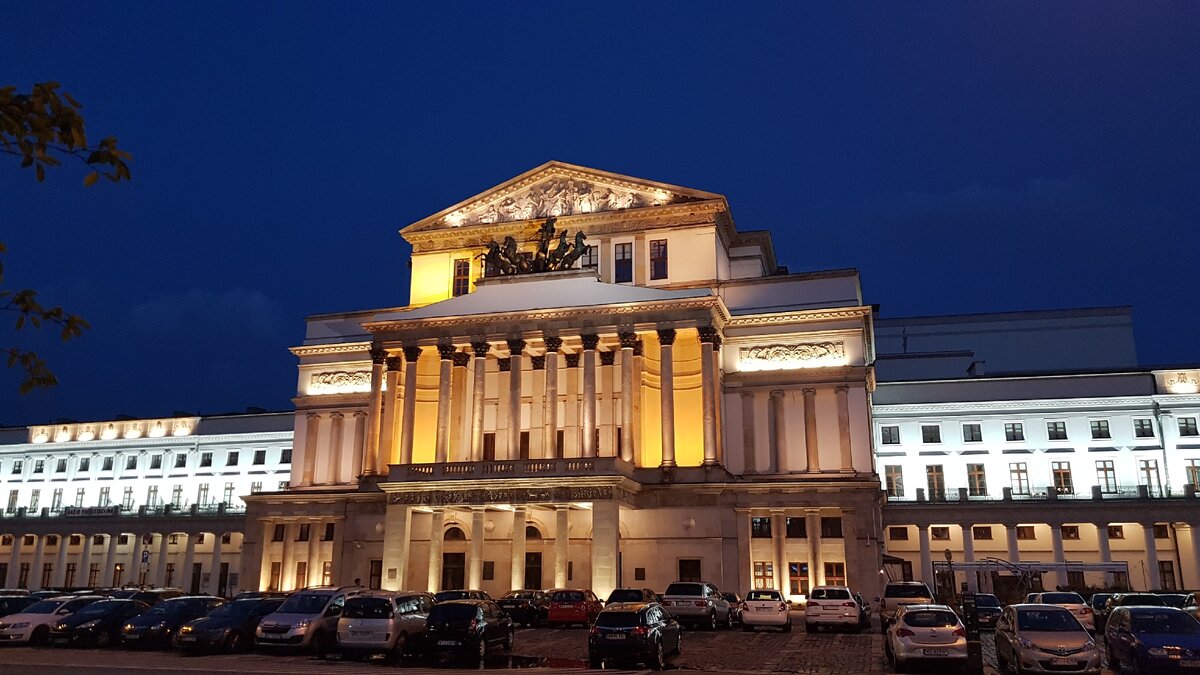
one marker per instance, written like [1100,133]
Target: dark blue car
[1152,640]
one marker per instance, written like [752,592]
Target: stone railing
[512,468]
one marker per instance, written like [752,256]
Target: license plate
[615,636]
[447,643]
[132,637]
[360,633]
[187,638]
[762,609]
[1190,664]
[1061,661]
[61,641]
[936,652]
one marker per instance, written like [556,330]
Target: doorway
[454,571]
[197,571]
[533,570]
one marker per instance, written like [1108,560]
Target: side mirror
[63,611]
[333,610]
[877,598]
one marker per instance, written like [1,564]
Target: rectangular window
[972,433]
[60,466]
[79,496]
[831,527]
[797,528]
[1161,531]
[202,494]
[462,277]
[256,487]
[1062,478]
[127,499]
[93,574]
[56,500]
[1148,471]
[931,433]
[285,456]
[982,532]
[260,457]
[1025,533]
[105,496]
[152,495]
[690,569]
[798,578]
[658,258]
[1193,472]
[764,574]
[155,462]
[181,461]
[1187,426]
[523,450]
[227,497]
[1014,431]
[489,570]
[131,463]
[835,573]
[13,495]
[489,447]
[303,532]
[34,497]
[85,463]
[1106,475]
[1070,532]
[1100,429]
[1056,431]
[1166,572]
[760,528]
[898,533]
[107,464]
[976,480]
[205,459]
[276,574]
[277,533]
[232,458]
[327,573]
[39,466]
[18,466]
[623,263]
[1116,531]
[935,481]
[328,535]
[894,480]
[1018,478]
[591,259]
[939,533]
[890,435]
[177,496]
[283,485]
[1143,428]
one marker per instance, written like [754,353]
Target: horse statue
[577,251]
[554,262]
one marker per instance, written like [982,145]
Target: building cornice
[339,348]
[928,409]
[798,316]
[166,442]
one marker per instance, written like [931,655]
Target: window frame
[977,436]
[658,258]
[625,249]
[460,280]
[1053,432]
[937,434]
[1014,432]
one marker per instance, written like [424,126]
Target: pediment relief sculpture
[558,196]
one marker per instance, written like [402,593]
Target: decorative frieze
[557,495]
[339,382]
[786,357]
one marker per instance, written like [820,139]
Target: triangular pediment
[557,189]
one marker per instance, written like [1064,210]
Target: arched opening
[531,532]
[454,533]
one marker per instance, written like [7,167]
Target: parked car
[307,619]
[382,622]
[1097,602]
[1192,605]
[1072,602]
[467,628]
[864,612]
[1152,640]
[831,606]
[925,633]
[14,591]
[637,632]
[631,595]
[736,605]
[1126,600]
[157,626]
[987,610]
[527,607]
[573,605]
[260,595]
[96,625]
[151,597]
[227,628]
[1175,600]
[33,624]
[766,607]
[697,603]
[11,604]
[1035,638]
[446,596]
[47,594]
[899,593]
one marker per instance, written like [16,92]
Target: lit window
[972,433]
[1056,431]
[1018,478]
[890,435]
[1014,431]
[939,533]
[760,528]
[658,259]
[1062,478]
[462,277]
[976,480]
[894,478]
[623,263]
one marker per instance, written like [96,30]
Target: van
[307,620]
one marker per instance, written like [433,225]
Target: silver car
[1044,639]
[925,633]
[382,622]
[1073,603]
[697,603]
[308,619]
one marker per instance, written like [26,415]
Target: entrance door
[223,579]
[197,572]
[375,575]
[454,571]
[533,570]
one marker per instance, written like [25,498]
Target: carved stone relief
[511,496]
[557,197]
[808,355]
[339,382]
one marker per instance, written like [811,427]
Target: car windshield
[520,595]
[237,608]
[1047,620]
[685,589]
[303,603]
[1062,599]
[451,595]
[1144,599]
[1174,599]
[625,595]
[567,596]
[906,591]
[43,607]
[617,619]
[763,595]
[830,594]
[101,607]
[368,608]
[931,618]
[987,601]
[168,608]
[1175,623]
[453,612]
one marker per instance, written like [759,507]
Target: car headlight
[61,627]
[1156,651]
[301,624]
[185,630]
[90,624]
[18,626]
[1089,645]
[127,628]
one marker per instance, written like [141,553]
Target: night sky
[964,158]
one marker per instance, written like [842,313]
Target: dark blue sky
[963,158]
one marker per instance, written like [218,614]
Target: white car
[33,624]
[382,622]
[831,606]
[765,608]
[925,633]
[1072,602]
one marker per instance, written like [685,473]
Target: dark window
[831,527]
[131,463]
[639,574]
[278,534]
[1025,532]
[108,464]
[525,444]
[623,263]
[760,528]
[1100,429]
[898,533]
[560,444]
[304,532]
[462,277]
[1014,431]
[570,570]
[454,533]
[1187,426]
[1070,532]
[260,457]
[931,433]
[890,435]
[328,536]
[658,259]
[1143,428]
[797,528]
[689,569]
[155,462]
[1056,431]
[592,257]
[1166,572]
[61,466]
[489,447]
[39,466]
[285,456]
[1116,531]
[85,463]
[206,459]
[489,570]
[1161,532]
[940,533]
[982,532]
[180,461]
[972,433]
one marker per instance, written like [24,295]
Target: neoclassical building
[671,405]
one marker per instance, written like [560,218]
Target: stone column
[287,567]
[1104,548]
[745,575]
[858,575]
[214,578]
[446,352]
[1014,550]
[779,559]
[35,569]
[313,566]
[375,411]
[85,564]
[628,342]
[816,562]
[719,399]
[389,436]
[666,338]
[518,548]
[110,561]
[58,577]
[189,561]
[1195,531]
[135,569]
[607,446]
[572,424]
[460,430]
[396,538]
[589,395]
[1152,574]
[709,393]
[14,562]
[562,525]
[639,368]
[264,570]
[336,555]
[475,556]
[1056,549]
[312,434]
[749,451]
[843,412]
[411,354]
[360,444]
[606,543]
[550,405]
[968,538]
[926,573]
[811,450]
[160,564]
[538,448]
[515,347]
[779,462]
[436,531]
[336,425]
[478,392]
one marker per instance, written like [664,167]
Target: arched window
[532,532]
[454,534]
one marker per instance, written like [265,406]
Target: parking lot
[549,650]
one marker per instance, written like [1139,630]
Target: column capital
[395,363]
[411,354]
[481,349]
[842,388]
[562,507]
[360,414]
[336,415]
[515,347]
[809,391]
[709,334]
[572,360]
[538,362]
[628,340]
[590,341]
[505,365]
[313,415]
[553,343]
[445,351]
[778,393]
[378,355]
[461,359]
[666,336]
[607,358]
[812,511]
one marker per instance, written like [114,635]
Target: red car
[573,605]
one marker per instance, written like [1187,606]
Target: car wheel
[397,654]
[318,644]
[747,629]
[41,635]
[729,621]
[787,627]
[104,638]
[481,650]
[712,620]
[508,641]
[233,643]
[660,659]
[678,644]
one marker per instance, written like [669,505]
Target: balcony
[512,468]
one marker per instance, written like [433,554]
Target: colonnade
[297,552]
[780,555]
